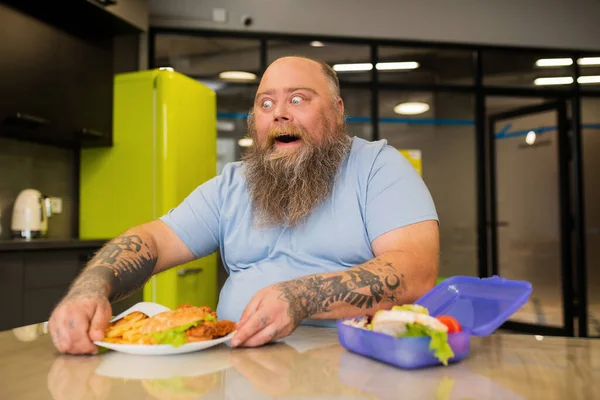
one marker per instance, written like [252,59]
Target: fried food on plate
[127,330]
[175,327]
[210,330]
[127,323]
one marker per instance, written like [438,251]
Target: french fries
[127,330]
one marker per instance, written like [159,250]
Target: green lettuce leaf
[175,336]
[438,344]
[210,318]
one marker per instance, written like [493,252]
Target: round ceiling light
[530,138]
[237,76]
[411,108]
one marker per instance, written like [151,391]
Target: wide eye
[267,104]
[296,100]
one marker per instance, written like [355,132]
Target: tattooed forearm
[118,269]
[367,286]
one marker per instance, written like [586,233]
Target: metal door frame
[564,190]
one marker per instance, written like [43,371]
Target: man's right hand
[78,320]
[118,269]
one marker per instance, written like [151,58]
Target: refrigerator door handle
[189,271]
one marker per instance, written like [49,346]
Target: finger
[255,323]
[100,321]
[249,310]
[58,338]
[264,336]
[78,325]
[58,332]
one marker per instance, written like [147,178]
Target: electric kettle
[30,215]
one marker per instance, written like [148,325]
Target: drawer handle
[90,133]
[189,271]
[28,120]
[106,3]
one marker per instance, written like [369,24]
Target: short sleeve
[396,195]
[196,220]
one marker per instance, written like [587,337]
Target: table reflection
[440,383]
[73,378]
[276,370]
[118,375]
[280,370]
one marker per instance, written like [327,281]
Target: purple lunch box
[480,305]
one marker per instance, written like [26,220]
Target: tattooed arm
[120,268]
[127,262]
[404,268]
[361,290]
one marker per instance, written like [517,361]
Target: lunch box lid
[480,305]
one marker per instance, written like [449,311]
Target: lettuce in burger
[186,324]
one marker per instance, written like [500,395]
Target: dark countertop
[49,244]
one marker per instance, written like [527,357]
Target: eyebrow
[287,90]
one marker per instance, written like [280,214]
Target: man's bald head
[328,72]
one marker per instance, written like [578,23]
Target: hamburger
[185,324]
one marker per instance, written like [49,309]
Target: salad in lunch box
[412,320]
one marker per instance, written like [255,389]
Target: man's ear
[340,106]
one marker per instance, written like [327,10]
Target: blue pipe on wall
[504,133]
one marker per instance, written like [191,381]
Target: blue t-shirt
[377,191]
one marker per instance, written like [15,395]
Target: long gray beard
[286,188]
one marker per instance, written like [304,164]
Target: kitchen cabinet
[56,73]
[33,282]
[46,279]
[126,16]
[84,82]
[27,78]
[56,88]
[11,290]
[89,19]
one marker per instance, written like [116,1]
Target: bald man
[313,225]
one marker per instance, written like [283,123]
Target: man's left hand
[267,317]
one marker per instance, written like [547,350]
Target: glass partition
[527,198]
[590,116]
[527,69]
[439,138]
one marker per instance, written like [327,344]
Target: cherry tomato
[451,323]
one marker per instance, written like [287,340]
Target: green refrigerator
[164,146]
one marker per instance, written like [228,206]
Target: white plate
[163,349]
[151,309]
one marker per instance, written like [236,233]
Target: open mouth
[287,138]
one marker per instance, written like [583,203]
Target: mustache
[286,130]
